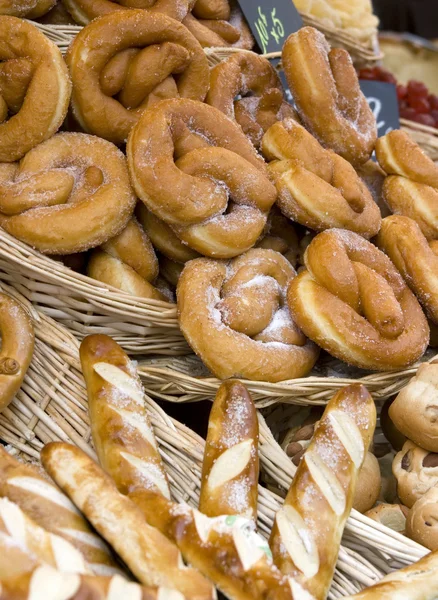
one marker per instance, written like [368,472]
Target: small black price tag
[382,98]
[271,22]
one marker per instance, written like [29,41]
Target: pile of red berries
[415,101]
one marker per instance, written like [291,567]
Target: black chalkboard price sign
[271,22]
[382,98]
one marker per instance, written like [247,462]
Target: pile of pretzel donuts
[135,163]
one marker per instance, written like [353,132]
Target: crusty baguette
[230,472]
[152,558]
[43,502]
[307,531]
[122,434]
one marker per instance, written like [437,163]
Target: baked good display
[199,147]
[390,515]
[68,194]
[369,483]
[147,58]
[254,81]
[34,88]
[316,187]
[353,303]
[30,10]
[235,317]
[327,95]
[421,522]
[84,11]
[416,471]
[414,411]
[280,235]
[411,188]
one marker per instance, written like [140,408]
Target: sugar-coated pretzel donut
[316,187]
[403,241]
[235,317]
[212,9]
[84,11]
[255,81]
[280,235]
[146,58]
[411,188]
[127,262]
[69,194]
[326,91]
[34,88]
[16,348]
[353,303]
[416,471]
[199,148]
[30,9]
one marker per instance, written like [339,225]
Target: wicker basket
[52,405]
[186,379]
[426,137]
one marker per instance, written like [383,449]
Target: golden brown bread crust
[254,80]
[316,187]
[208,149]
[321,495]
[152,558]
[390,515]
[230,471]
[84,11]
[354,303]
[114,82]
[411,188]
[369,483]
[326,91]
[43,502]
[235,318]
[416,471]
[421,522]
[34,88]
[67,195]
[28,10]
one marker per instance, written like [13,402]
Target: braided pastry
[43,502]
[412,186]
[403,241]
[328,98]
[29,9]
[34,88]
[416,471]
[353,303]
[84,11]
[127,262]
[316,187]
[236,319]
[308,528]
[17,343]
[145,58]
[69,194]
[217,194]
[254,80]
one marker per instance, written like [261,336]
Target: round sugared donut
[84,11]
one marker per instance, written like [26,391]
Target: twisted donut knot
[31,9]
[280,235]
[327,95]
[235,318]
[316,187]
[402,240]
[127,262]
[255,81]
[217,194]
[69,194]
[34,88]
[353,303]
[145,58]
[84,11]
[416,471]
[412,186]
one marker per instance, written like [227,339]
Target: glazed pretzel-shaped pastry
[230,470]
[84,11]
[308,528]
[217,194]
[328,98]
[152,558]
[43,502]
[146,58]
[255,81]
[30,10]
[69,194]
[127,262]
[34,88]
[403,241]
[411,189]
[235,317]
[354,304]
[316,187]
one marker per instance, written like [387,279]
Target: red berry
[420,105]
[402,105]
[368,74]
[388,78]
[434,114]
[417,88]
[402,91]
[407,113]
[424,120]
[433,100]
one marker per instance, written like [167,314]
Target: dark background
[419,17]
